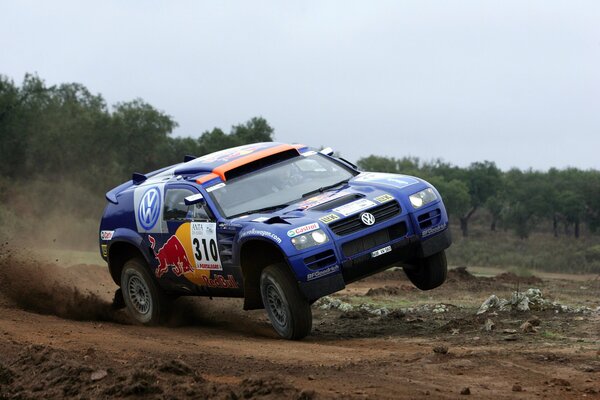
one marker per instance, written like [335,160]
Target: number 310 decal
[204,243]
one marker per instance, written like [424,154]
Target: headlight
[310,239]
[422,198]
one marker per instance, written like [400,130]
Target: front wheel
[288,310]
[429,272]
[144,299]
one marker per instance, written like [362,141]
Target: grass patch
[550,335]
[541,252]
[523,272]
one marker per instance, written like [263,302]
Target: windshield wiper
[261,210]
[324,188]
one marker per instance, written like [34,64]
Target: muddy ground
[60,338]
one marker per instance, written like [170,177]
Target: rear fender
[124,245]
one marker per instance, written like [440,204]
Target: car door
[192,248]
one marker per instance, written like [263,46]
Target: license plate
[379,252]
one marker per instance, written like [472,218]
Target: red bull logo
[219,281]
[171,254]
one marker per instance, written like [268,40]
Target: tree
[483,181]
[141,135]
[255,130]
[378,164]
[527,193]
[454,193]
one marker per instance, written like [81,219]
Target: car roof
[215,166]
[220,163]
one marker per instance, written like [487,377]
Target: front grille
[354,224]
[429,218]
[320,260]
[374,239]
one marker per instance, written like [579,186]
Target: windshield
[279,185]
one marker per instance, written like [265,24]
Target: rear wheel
[288,310]
[429,272]
[144,299]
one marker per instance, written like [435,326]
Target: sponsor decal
[191,252]
[255,232]
[106,235]
[104,248]
[401,182]
[215,187]
[384,198]
[303,229]
[229,227]
[329,218]
[395,180]
[229,154]
[220,282]
[171,254]
[379,252]
[324,272]
[318,200]
[204,243]
[432,230]
[149,208]
[354,207]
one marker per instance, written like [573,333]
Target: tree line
[65,133]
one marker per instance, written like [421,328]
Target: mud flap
[435,244]
[118,300]
[322,287]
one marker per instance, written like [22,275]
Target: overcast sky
[517,82]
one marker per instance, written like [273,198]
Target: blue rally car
[276,224]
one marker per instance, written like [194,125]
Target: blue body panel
[401,233]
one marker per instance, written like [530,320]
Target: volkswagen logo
[367,218]
[149,208]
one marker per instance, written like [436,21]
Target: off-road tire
[429,272]
[146,303]
[288,310]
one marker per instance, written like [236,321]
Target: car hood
[364,191]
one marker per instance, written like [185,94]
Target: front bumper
[363,265]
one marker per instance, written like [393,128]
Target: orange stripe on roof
[222,169]
[206,178]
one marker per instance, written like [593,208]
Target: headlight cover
[310,239]
[422,198]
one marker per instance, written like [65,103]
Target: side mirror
[328,151]
[194,199]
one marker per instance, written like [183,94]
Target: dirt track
[213,349]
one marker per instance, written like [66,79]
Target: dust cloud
[47,288]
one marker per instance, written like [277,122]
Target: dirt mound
[460,274]
[390,290]
[509,277]
[60,374]
[392,274]
[461,278]
[271,388]
[46,288]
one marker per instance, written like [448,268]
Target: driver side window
[176,210]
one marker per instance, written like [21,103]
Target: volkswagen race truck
[278,225]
